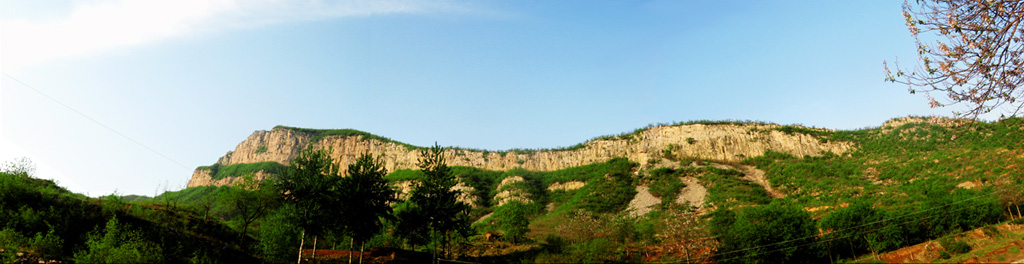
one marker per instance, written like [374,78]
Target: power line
[95,121]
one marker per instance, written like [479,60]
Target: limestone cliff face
[724,142]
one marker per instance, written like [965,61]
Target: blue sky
[144,91]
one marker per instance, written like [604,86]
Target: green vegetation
[44,221]
[218,171]
[513,219]
[665,183]
[119,244]
[954,247]
[261,149]
[368,199]
[727,189]
[766,234]
[900,186]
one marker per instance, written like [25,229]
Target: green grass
[56,224]
[218,171]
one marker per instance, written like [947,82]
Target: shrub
[512,218]
[955,246]
[608,194]
[49,245]
[119,244]
[773,233]
[278,236]
[846,227]
[665,183]
[11,241]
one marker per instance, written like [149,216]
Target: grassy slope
[899,169]
[896,166]
[893,168]
[33,208]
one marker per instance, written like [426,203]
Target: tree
[977,55]
[771,233]
[311,185]
[853,230]
[684,232]
[369,197]
[512,218]
[252,199]
[433,203]
[1011,195]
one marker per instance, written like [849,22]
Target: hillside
[723,141]
[904,191]
[922,167]
[41,222]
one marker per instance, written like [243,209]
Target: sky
[129,96]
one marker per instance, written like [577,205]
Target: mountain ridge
[714,140]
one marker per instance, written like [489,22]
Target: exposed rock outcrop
[725,142]
[508,191]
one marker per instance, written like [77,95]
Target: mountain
[265,151]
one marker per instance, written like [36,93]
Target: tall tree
[252,199]
[433,203]
[976,58]
[369,197]
[311,185]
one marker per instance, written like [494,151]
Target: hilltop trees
[976,58]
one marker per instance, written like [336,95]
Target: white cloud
[107,25]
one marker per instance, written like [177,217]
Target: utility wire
[95,121]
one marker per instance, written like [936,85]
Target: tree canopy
[434,204]
[369,197]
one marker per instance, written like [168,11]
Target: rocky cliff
[723,142]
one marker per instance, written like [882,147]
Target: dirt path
[757,176]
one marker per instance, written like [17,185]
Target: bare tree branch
[976,56]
